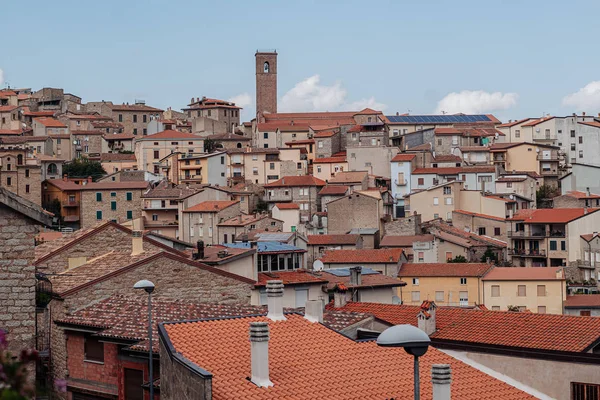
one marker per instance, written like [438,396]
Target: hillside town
[280,256]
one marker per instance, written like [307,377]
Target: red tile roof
[293,181]
[443,269]
[243,219]
[8,108]
[362,256]
[464,212]
[15,132]
[330,160]
[325,134]
[211,206]
[502,328]
[469,131]
[588,237]
[50,122]
[550,216]
[70,185]
[404,241]
[447,158]
[537,121]
[349,177]
[446,131]
[582,195]
[367,281]
[583,301]
[515,122]
[318,240]
[297,277]
[134,107]
[287,206]
[454,170]
[465,149]
[368,111]
[525,274]
[595,124]
[334,190]
[108,157]
[171,134]
[401,157]
[508,179]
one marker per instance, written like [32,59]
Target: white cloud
[311,95]
[476,102]
[585,99]
[242,100]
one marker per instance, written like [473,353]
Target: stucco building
[152,149]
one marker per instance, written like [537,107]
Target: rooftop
[334,190]
[551,216]
[582,195]
[478,215]
[113,157]
[402,157]
[330,160]
[525,274]
[297,277]
[291,181]
[440,119]
[318,240]
[134,107]
[243,219]
[583,301]
[212,206]
[404,241]
[454,170]
[287,206]
[267,247]
[443,269]
[369,279]
[170,134]
[349,177]
[362,256]
[50,123]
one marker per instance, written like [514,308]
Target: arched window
[266,67]
[239,145]
[52,169]
[20,159]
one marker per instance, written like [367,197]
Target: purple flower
[60,385]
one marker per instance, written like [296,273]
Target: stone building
[575,199]
[48,126]
[266,82]
[243,223]
[204,112]
[9,118]
[201,222]
[20,173]
[357,210]
[327,143]
[86,144]
[151,149]
[19,222]
[133,117]
[302,190]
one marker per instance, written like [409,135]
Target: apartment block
[201,222]
[474,178]
[264,166]
[302,190]
[152,149]
[401,167]
[205,112]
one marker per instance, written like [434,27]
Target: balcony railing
[550,158]
[196,178]
[526,234]
[279,197]
[549,172]
[527,252]
[73,203]
[161,222]
[401,183]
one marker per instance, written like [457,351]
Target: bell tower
[266,82]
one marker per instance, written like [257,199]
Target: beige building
[302,190]
[521,185]
[48,126]
[115,162]
[357,210]
[525,156]
[539,290]
[21,174]
[263,166]
[319,244]
[87,144]
[386,261]
[289,213]
[244,223]
[355,180]
[133,117]
[150,150]
[327,168]
[9,118]
[201,222]
[448,284]
[212,115]
[373,159]
[482,224]
[62,146]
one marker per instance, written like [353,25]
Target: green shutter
[113,194]
[563,245]
[98,215]
[98,196]
[553,245]
[113,205]
[129,214]
[129,196]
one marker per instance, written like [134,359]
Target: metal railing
[527,252]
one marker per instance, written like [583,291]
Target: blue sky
[514,58]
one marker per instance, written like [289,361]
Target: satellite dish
[511,197]
[396,300]
[537,150]
[318,265]
[74,141]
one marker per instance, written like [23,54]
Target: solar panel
[419,119]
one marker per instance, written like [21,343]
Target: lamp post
[149,288]
[414,341]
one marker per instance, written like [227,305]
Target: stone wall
[407,226]
[565,201]
[354,211]
[89,206]
[17,278]
[178,382]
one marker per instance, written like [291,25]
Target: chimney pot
[275,300]
[339,296]
[441,377]
[313,311]
[259,354]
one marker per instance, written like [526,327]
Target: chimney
[200,246]
[583,113]
[89,179]
[441,377]
[313,311]
[339,295]
[259,353]
[587,190]
[137,243]
[275,300]
[426,317]
[397,113]
[355,276]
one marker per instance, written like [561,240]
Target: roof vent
[259,353]
[275,300]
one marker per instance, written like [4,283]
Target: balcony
[499,158]
[527,252]
[190,178]
[549,172]
[548,158]
[160,223]
[403,182]
[275,197]
[69,203]
[528,233]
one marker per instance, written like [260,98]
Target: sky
[514,59]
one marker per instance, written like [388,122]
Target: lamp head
[414,341]
[144,284]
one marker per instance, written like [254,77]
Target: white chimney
[259,353]
[441,377]
[313,311]
[275,300]
[137,243]
[355,276]
[339,295]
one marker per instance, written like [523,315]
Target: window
[421,256]
[129,196]
[572,146]
[134,118]
[580,139]
[421,181]
[463,281]
[26,188]
[448,255]
[98,196]
[415,296]
[415,281]
[541,290]
[113,205]
[580,153]
[553,245]
[8,181]
[517,133]
[26,173]
[354,136]
[145,118]
[156,155]
[113,194]
[585,313]
[129,214]
[254,171]
[572,133]
[495,308]
[93,349]
[508,184]
[448,201]
[266,135]
[436,201]
[436,216]
[447,190]
[298,165]
[563,245]
[145,131]
[120,117]
[266,67]
[495,290]
[541,309]
[439,297]
[439,142]
[521,291]
[463,298]
[481,231]
[98,215]
[272,165]
[320,144]
[547,133]
[210,231]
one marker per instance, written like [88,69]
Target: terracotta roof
[404,241]
[316,240]
[454,170]
[421,147]
[349,177]
[169,192]
[8,108]
[134,107]
[284,126]
[211,206]
[334,190]
[118,136]
[443,269]
[301,356]
[502,328]
[537,121]
[583,301]
[368,111]
[325,134]
[446,131]
[463,238]
[292,181]
[330,160]
[550,216]
[446,158]
[298,277]
[465,149]
[171,134]
[362,256]
[582,195]
[11,132]
[508,179]
[515,122]
[7,93]
[50,122]
[469,131]
[588,237]
[243,219]
[107,157]
[594,124]
[304,141]
[86,116]
[367,281]
[524,274]
[48,236]
[478,215]
[70,185]
[401,157]
[217,254]
[287,206]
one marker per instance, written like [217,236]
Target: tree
[55,208]
[261,206]
[489,253]
[513,308]
[544,194]
[211,145]
[82,168]
[458,259]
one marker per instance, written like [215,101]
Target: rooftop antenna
[443,112]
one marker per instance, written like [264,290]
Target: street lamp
[149,288]
[415,342]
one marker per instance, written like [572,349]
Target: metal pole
[416,378]
[151,380]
